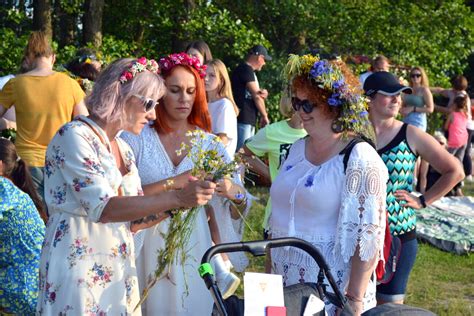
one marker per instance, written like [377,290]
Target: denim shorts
[396,288]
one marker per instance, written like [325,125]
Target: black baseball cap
[385,83]
[260,50]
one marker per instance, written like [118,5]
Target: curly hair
[319,96]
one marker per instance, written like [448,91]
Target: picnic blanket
[448,224]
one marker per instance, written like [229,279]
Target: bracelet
[353,299]
[422,201]
[168,186]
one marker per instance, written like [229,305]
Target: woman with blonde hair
[415,106]
[222,107]
[44,100]
[95,198]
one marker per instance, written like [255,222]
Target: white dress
[332,210]
[224,121]
[169,296]
[86,267]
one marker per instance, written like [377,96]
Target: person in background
[22,229]
[199,49]
[85,68]
[419,103]
[273,141]
[44,100]
[222,107]
[8,119]
[379,63]
[95,198]
[250,99]
[455,125]
[458,86]
[399,145]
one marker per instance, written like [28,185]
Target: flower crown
[137,66]
[329,76]
[167,63]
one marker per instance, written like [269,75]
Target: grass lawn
[440,282]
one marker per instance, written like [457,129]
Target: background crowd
[96,158]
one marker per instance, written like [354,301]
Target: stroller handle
[258,248]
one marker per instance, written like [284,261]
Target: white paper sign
[262,290]
[313,306]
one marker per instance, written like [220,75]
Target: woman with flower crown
[338,207]
[93,194]
[159,158]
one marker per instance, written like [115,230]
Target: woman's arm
[235,193]
[255,164]
[129,208]
[80,109]
[361,271]
[436,155]
[224,138]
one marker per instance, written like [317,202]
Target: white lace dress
[332,210]
[169,296]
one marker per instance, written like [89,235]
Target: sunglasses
[148,104]
[415,75]
[305,104]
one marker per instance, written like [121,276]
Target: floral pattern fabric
[21,236]
[87,267]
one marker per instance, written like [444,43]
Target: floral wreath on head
[139,65]
[328,76]
[169,62]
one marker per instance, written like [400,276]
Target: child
[456,125]
[22,232]
[224,111]
[222,107]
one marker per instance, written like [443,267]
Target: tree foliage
[437,35]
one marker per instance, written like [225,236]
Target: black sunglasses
[305,104]
[415,75]
[148,104]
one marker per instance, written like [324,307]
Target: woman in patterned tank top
[399,145]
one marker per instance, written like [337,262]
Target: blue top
[21,236]
[417,119]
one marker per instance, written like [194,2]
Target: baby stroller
[296,296]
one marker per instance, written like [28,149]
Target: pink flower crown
[167,63]
[137,66]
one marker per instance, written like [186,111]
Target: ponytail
[38,46]
[21,177]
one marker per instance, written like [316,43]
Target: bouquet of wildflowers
[208,163]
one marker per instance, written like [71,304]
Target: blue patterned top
[400,161]
[21,236]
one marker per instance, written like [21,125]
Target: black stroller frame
[259,248]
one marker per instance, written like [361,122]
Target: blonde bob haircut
[224,89]
[109,97]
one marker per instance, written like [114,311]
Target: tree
[42,16]
[92,22]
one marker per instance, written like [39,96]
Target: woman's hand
[411,200]
[180,181]
[224,188]
[195,192]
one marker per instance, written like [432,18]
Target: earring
[336,126]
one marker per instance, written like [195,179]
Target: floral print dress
[87,267]
[21,236]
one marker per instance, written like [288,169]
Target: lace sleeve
[362,215]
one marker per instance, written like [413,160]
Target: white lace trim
[362,216]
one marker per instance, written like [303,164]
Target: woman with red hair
[161,168]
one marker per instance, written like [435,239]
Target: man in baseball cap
[260,50]
[385,83]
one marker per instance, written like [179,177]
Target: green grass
[440,282]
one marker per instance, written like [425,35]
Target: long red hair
[199,115]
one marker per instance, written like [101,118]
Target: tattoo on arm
[146,219]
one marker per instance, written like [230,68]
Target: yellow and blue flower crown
[328,76]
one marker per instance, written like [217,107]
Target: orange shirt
[42,104]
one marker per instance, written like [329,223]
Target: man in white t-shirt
[379,63]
